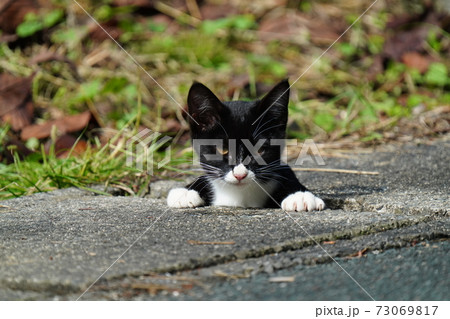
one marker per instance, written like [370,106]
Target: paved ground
[389,232]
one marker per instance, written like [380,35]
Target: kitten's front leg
[302,201]
[194,195]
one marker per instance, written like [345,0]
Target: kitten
[237,152]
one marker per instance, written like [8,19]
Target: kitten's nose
[240,177]
[240,172]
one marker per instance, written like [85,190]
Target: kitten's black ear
[204,107]
[275,103]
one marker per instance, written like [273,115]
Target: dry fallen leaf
[407,41]
[20,117]
[416,60]
[12,13]
[67,124]
[16,107]
[66,145]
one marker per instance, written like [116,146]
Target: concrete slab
[54,245]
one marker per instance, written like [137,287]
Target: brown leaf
[67,124]
[416,60]
[16,107]
[407,41]
[14,92]
[12,13]
[67,144]
[20,117]
[6,38]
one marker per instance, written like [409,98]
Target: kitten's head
[238,141]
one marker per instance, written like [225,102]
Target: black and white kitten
[241,161]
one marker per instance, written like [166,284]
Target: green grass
[44,171]
[104,166]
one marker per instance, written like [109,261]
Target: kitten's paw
[183,197]
[302,201]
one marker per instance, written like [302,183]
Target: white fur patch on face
[183,197]
[244,193]
[302,201]
[239,170]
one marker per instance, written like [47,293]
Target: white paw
[302,201]
[183,197]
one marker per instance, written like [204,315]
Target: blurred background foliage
[70,97]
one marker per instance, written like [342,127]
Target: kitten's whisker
[256,129]
[205,165]
[268,167]
[260,126]
[266,180]
[270,174]
[210,169]
[275,162]
[268,129]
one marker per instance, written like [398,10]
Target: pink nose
[240,176]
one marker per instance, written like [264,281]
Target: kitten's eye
[223,151]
